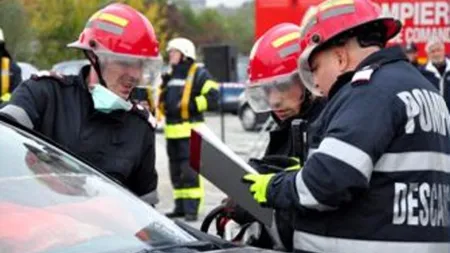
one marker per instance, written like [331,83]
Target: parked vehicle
[250,120]
[230,93]
[232,90]
[52,201]
[71,67]
[27,70]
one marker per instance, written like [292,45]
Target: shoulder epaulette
[144,114]
[48,75]
[363,75]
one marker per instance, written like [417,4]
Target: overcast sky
[225,2]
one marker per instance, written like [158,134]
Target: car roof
[70,62]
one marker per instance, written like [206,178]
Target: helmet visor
[265,94]
[305,73]
[124,73]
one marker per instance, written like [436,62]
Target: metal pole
[222,118]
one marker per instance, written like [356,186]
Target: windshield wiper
[197,245]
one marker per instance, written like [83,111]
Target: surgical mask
[107,101]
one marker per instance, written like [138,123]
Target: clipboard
[215,161]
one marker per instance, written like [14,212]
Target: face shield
[122,72]
[305,72]
[133,71]
[265,94]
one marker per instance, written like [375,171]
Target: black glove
[272,163]
[236,212]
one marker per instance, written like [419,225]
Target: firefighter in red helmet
[274,86]
[380,166]
[91,113]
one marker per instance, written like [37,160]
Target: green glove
[293,168]
[258,186]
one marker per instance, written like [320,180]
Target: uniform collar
[375,60]
[383,56]
[309,112]
[431,68]
[116,116]
[182,67]
[340,82]
[83,75]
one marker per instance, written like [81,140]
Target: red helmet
[121,30]
[273,64]
[121,34]
[324,22]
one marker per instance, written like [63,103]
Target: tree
[18,35]
[203,27]
[57,23]
[156,12]
[240,27]
[212,27]
[209,26]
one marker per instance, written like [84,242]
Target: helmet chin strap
[307,101]
[93,59]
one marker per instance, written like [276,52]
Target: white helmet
[185,46]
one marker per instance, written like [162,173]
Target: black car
[51,201]
[250,120]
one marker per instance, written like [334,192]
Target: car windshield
[52,202]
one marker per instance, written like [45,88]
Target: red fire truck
[422,19]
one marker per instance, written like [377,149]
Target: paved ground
[240,141]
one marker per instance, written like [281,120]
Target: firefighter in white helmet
[184,46]
[187,91]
